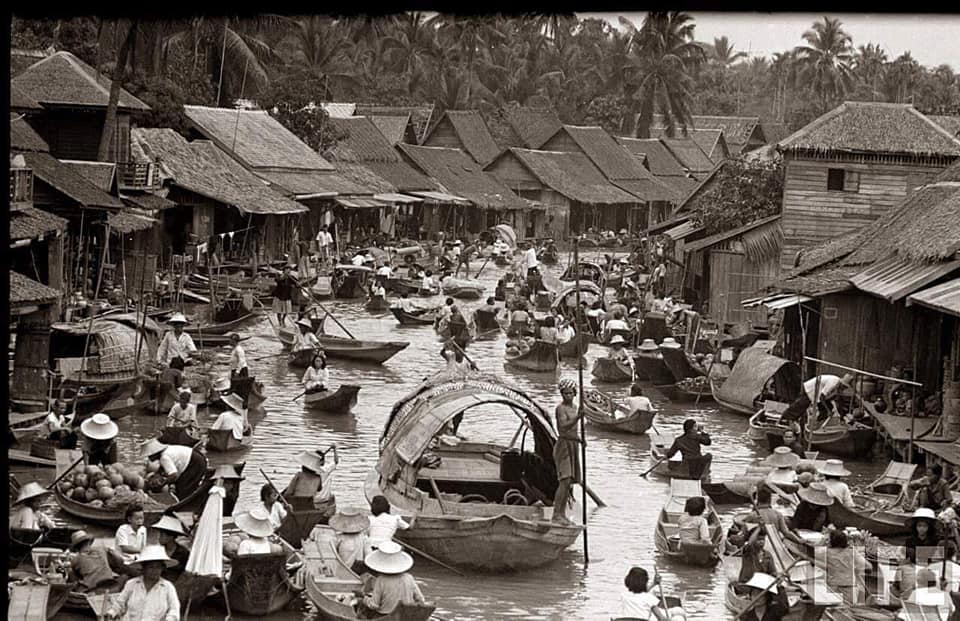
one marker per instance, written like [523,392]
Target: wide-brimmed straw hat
[921,514]
[184,390]
[226,471]
[222,384]
[349,521]
[255,522]
[782,457]
[389,558]
[312,460]
[670,343]
[833,468]
[648,345]
[617,339]
[816,494]
[152,447]
[153,553]
[99,427]
[761,581]
[30,490]
[169,524]
[233,401]
[305,323]
[177,318]
[79,537]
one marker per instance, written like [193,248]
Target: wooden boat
[676,360]
[688,390]
[611,371]
[486,321]
[260,584]
[765,425]
[23,457]
[220,328]
[376,352]
[301,358]
[86,602]
[722,494]
[667,534]
[463,289]
[350,281]
[877,508]
[423,317]
[410,287]
[541,357]
[674,469]
[223,440]
[588,270]
[502,530]
[738,598]
[651,367]
[600,410]
[26,425]
[809,579]
[377,303]
[743,390]
[846,440]
[322,290]
[340,401]
[329,583]
[575,347]
[22,540]
[214,340]
[177,435]
[303,516]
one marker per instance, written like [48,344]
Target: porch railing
[21,185]
[138,176]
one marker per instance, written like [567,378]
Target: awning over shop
[402,199]
[777,301]
[358,202]
[682,230]
[944,297]
[441,197]
[893,278]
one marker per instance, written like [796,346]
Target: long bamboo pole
[583,443]
[86,343]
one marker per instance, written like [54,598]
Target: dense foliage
[740,192]
[589,70]
[290,100]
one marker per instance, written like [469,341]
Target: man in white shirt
[358,259]
[175,343]
[828,386]
[324,242]
[384,271]
[238,358]
[529,258]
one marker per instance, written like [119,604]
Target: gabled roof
[363,177]
[419,115]
[737,130]
[689,153]
[62,79]
[572,175]
[711,142]
[689,200]
[362,142]
[405,177]
[870,127]
[30,222]
[21,101]
[100,174]
[339,110]
[949,123]
[774,132]
[458,174]
[534,126]
[660,161]
[24,290]
[69,183]
[255,138]
[25,138]
[20,59]
[472,132]
[202,168]
[393,128]
[613,160]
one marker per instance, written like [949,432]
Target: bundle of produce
[112,487]
[694,383]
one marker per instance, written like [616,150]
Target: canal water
[619,535]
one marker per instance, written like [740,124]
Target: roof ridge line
[935,126]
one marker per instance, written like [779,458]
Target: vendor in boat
[99,440]
[427,285]
[548,331]
[934,490]
[688,445]
[753,556]
[180,465]
[234,417]
[392,584]
[565,330]
[405,304]
[618,352]
[258,527]
[923,532]
[305,338]
[377,290]
[790,441]
[148,597]
[784,474]
[639,602]
[175,343]
[383,524]
[172,376]
[58,425]
[846,567]
[316,377]
[92,566]
[764,513]
[519,319]
[168,529]
[833,472]
[566,452]
[457,363]
[314,481]
[26,513]
[131,536]
[351,528]
[692,526]
[270,503]
[183,414]
[615,323]
[457,325]
[828,387]
[769,607]
[637,401]
[811,512]
[238,358]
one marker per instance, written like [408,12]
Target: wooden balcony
[138,176]
[21,185]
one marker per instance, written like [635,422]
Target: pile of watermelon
[112,487]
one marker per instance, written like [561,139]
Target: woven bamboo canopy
[752,371]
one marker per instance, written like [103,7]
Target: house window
[835,179]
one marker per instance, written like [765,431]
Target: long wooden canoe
[601,410]
[377,303]
[678,363]
[419,318]
[575,347]
[376,352]
[223,440]
[340,401]
[301,358]
[652,368]
[260,584]
[541,357]
[218,328]
[667,534]
[738,598]
[843,440]
[611,371]
[673,469]
[877,510]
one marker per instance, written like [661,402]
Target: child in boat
[383,525]
[351,528]
[693,527]
[271,505]
[183,413]
[314,480]
[316,377]
[26,512]
[392,585]
[131,537]
[305,339]
[59,426]
[639,603]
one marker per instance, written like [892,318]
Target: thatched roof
[21,101]
[100,174]
[473,134]
[572,175]
[362,142]
[363,177]
[62,79]
[650,189]
[871,127]
[660,161]
[394,128]
[25,138]
[25,291]
[689,153]
[405,177]
[131,221]
[774,132]
[612,159]
[458,174]
[149,201]
[534,126]
[737,130]
[949,123]
[420,116]
[30,222]
[750,374]
[201,167]
[21,59]
[712,142]
[690,202]
[60,177]
[821,281]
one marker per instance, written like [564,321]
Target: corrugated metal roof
[682,230]
[944,297]
[392,197]
[706,242]
[893,278]
[777,301]
[442,197]
[358,202]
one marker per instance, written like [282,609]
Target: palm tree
[869,65]
[783,77]
[320,45]
[826,61]
[663,57]
[903,76]
[723,54]
[408,44]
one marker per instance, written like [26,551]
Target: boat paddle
[66,472]
[756,600]
[429,558]
[653,467]
[663,598]
[321,306]
[298,396]
[293,514]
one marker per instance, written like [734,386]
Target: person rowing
[305,338]
[316,377]
[176,343]
[688,445]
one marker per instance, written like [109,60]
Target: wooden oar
[321,306]
[763,593]
[280,498]
[429,558]
[663,598]
[66,472]
[283,353]
[298,396]
[436,492]
[477,275]
[653,467]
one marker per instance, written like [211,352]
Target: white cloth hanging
[206,555]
